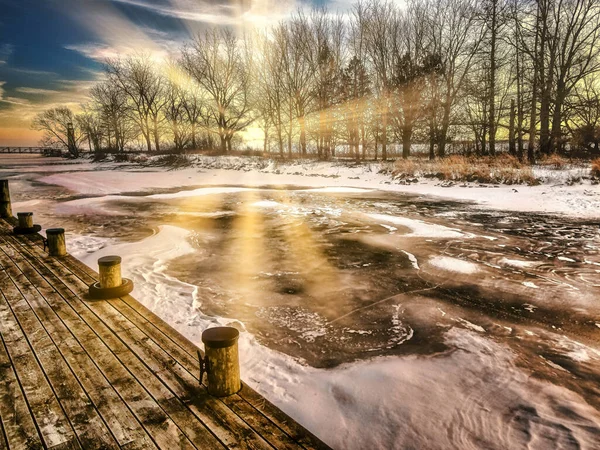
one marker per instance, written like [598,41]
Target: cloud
[36,91]
[257,12]
[17,113]
[43,73]
[5,51]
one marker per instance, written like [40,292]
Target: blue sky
[51,50]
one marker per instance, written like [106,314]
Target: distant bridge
[39,150]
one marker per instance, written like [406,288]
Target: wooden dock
[77,373]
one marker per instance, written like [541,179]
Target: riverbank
[568,191]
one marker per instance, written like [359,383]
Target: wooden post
[221,360]
[56,242]
[5,208]
[110,271]
[25,220]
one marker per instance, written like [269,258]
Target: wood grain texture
[79,373]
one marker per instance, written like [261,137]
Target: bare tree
[113,108]
[143,85]
[455,37]
[55,124]
[220,64]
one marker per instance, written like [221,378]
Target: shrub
[174,161]
[595,172]
[503,168]
[555,161]
[121,157]
[404,168]
[507,160]
[99,156]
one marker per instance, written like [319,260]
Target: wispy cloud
[36,91]
[232,12]
[5,51]
[44,73]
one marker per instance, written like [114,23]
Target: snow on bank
[455,399]
[554,197]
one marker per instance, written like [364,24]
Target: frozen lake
[431,323]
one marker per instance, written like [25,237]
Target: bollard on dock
[56,241]
[5,206]
[25,219]
[111,284]
[221,361]
[26,225]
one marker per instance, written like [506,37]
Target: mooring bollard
[111,285]
[25,219]
[5,208]
[110,271]
[26,225]
[56,241]
[221,361]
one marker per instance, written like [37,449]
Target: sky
[51,51]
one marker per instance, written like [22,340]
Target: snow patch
[420,228]
[453,264]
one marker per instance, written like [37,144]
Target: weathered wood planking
[77,373]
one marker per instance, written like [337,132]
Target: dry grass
[503,169]
[595,172]
[555,161]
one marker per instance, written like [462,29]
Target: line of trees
[381,79]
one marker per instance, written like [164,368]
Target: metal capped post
[5,207]
[111,284]
[221,361]
[56,241]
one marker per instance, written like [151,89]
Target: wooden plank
[51,421]
[112,409]
[165,430]
[91,430]
[17,420]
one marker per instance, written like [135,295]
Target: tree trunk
[492,93]
[556,142]
[302,121]
[406,140]
[512,145]
[223,147]
[534,89]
